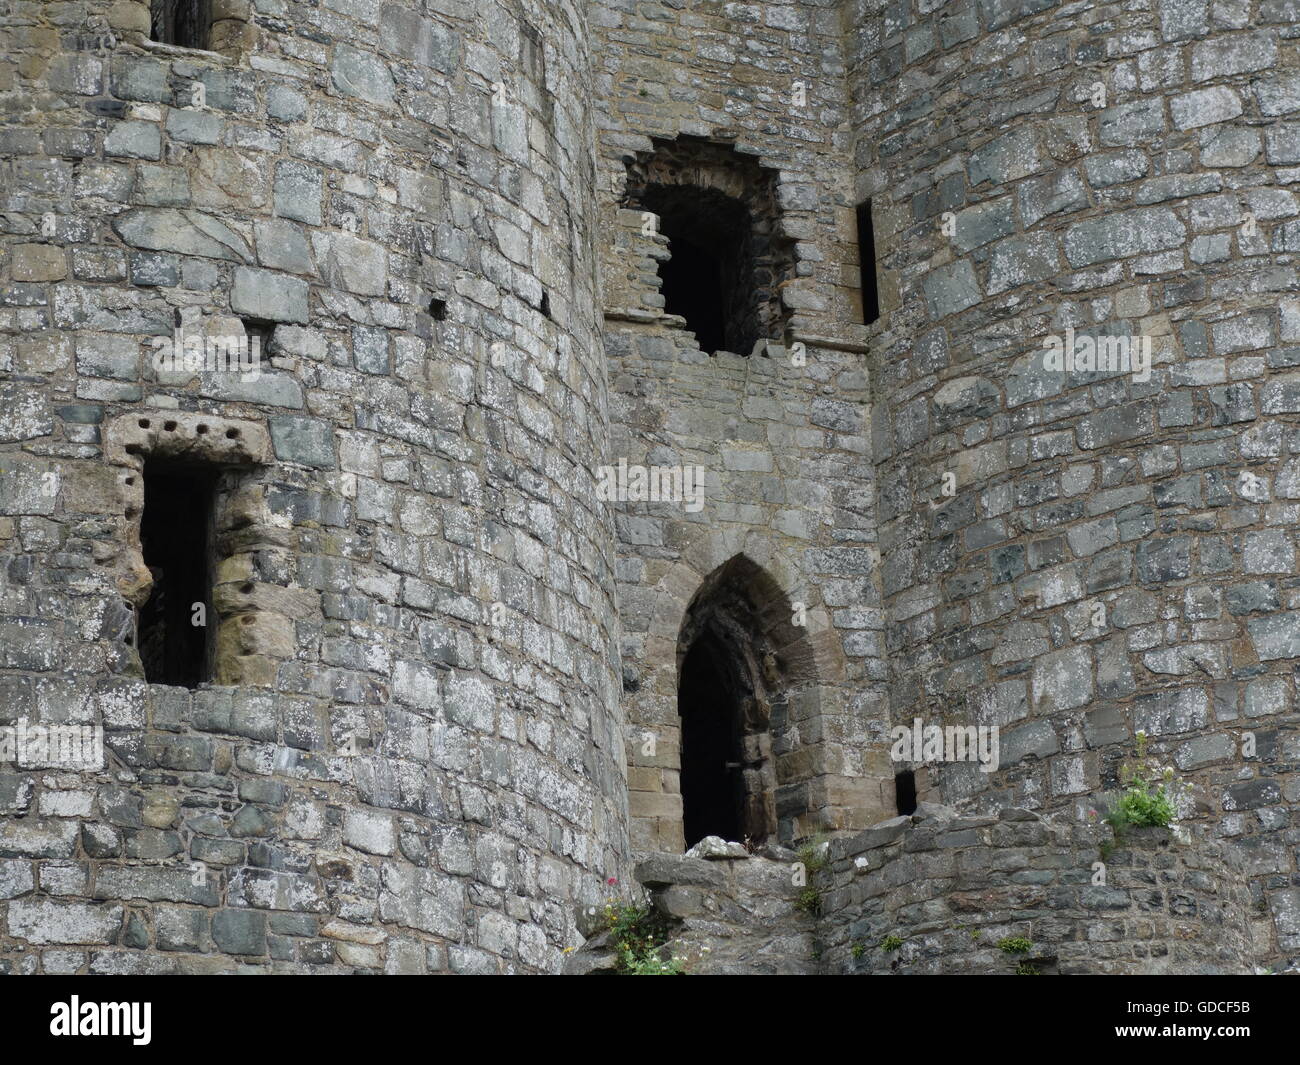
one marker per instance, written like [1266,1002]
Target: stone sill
[173,51]
[814,340]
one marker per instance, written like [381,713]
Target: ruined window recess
[197,523]
[544,305]
[220,27]
[728,254]
[184,23]
[905,791]
[700,280]
[438,310]
[867,264]
[173,628]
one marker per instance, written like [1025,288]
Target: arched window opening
[728,255]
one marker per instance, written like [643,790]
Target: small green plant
[858,949]
[1027,969]
[1150,794]
[654,965]
[809,901]
[813,855]
[1015,945]
[638,933]
[974,933]
[890,943]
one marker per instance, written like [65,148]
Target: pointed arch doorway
[740,663]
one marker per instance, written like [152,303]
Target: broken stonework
[625,370]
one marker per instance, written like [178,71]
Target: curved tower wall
[1116,553]
[410,760]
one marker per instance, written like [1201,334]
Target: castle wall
[954,890]
[1115,553]
[443,707]
[412,758]
[782,437]
[941,892]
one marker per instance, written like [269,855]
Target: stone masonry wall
[732,916]
[783,442]
[1111,554]
[941,892]
[953,887]
[412,760]
[443,707]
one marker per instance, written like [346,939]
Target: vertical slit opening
[867,264]
[905,791]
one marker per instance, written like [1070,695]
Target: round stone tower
[307,643]
[1085,407]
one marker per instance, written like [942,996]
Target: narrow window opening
[184,23]
[532,54]
[173,627]
[905,791]
[545,305]
[867,264]
[438,310]
[533,63]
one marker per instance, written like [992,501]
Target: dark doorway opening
[867,264]
[172,631]
[905,791]
[711,781]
